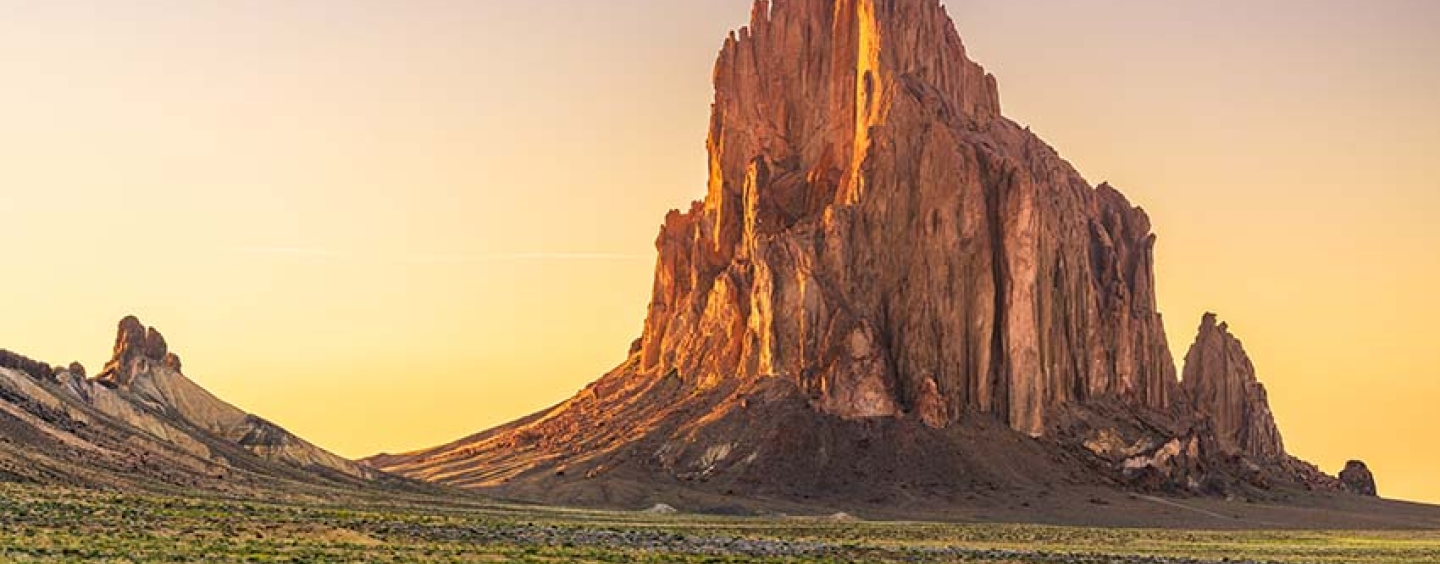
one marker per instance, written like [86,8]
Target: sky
[385,225]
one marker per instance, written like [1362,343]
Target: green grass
[59,525]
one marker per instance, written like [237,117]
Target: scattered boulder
[1358,480]
[1175,466]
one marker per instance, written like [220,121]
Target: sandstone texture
[1220,383]
[876,232]
[889,292]
[137,349]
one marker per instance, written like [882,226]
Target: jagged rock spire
[883,266]
[1221,384]
[137,350]
[877,232]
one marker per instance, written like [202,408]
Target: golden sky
[386,224]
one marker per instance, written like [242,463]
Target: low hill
[141,424]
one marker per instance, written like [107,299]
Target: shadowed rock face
[1357,479]
[875,231]
[1220,382]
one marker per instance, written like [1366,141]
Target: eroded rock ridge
[140,419]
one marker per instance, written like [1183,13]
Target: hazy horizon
[388,226]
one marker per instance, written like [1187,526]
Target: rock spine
[1221,384]
[137,349]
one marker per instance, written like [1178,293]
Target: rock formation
[1358,480]
[1220,383]
[137,349]
[142,408]
[875,231]
[890,291]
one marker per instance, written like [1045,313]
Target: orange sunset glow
[387,225]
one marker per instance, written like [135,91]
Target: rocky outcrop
[144,372]
[1358,480]
[889,288]
[141,423]
[875,231]
[1220,383]
[141,397]
[137,350]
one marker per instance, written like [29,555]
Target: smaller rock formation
[136,350]
[140,420]
[1221,384]
[1358,480]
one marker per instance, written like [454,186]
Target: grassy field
[53,525]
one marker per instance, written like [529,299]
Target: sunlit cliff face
[877,233]
[1284,150]
[869,91]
